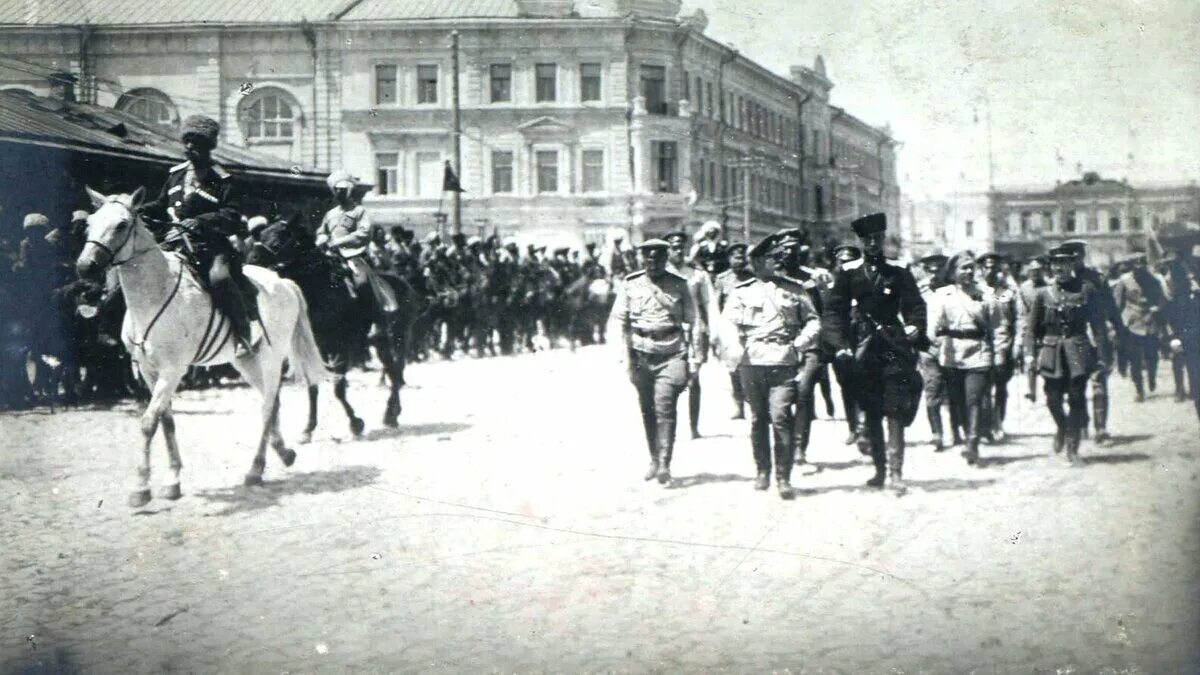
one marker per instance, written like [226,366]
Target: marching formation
[952,331]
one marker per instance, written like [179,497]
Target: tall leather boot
[1100,411]
[971,454]
[694,406]
[879,459]
[230,302]
[650,427]
[666,445]
[934,413]
[784,457]
[1072,447]
[895,453]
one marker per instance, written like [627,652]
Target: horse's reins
[112,255]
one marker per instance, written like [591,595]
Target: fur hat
[204,127]
[340,179]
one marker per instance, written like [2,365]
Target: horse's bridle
[112,253]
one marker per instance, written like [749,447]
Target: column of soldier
[953,331]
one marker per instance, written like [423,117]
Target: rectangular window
[819,201]
[687,87]
[708,99]
[547,171]
[712,179]
[654,89]
[502,171]
[501,79]
[724,186]
[1136,223]
[701,182]
[721,108]
[385,85]
[427,84]
[589,82]
[663,156]
[386,173]
[593,171]
[547,82]
[969,229]
[1026,216]
[1047,221]
[1070,224]
[1091,224]
[1114,224]
[429,174]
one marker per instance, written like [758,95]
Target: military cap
[79,215]
[739,246]
[1061,254]
[768,245]
[562,250]
[36,220]
[707,228]
[990,256]
[790,235]
[1035,263]
[846,252]
[1074,246]
[340,179]
[474,241]
[538,247]
[590,246]
[653,244]
[201,126]
[677,234]
[935,259]
[869,224]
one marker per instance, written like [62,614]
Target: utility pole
[456,135]
[746,204]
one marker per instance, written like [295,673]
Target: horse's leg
[306,435]
[339,391]
[162,388]
[265,380]
[391,357]
[171,490]
[286,455]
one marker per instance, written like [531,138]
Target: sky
[1109,85]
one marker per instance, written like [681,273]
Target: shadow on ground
[1123,458]
[242,499]
[1002,460]
[1115,441]
[936,485]
[412,430]
[706,478]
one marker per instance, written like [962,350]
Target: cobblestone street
[505,527]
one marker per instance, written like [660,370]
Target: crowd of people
[951,331]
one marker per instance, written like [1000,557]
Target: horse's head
[278,244]
[112,231]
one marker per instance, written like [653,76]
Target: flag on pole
[450,180]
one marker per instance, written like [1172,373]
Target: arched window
[270,116]
[150,105]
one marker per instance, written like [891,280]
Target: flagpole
[456,210]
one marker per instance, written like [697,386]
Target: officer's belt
[771,339]
[973,334]
[657,333]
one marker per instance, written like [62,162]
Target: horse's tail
[305,357]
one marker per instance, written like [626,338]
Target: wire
[111,86]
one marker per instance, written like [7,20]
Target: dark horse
[341,322]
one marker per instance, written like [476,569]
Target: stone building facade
[576,117]
[1113,216]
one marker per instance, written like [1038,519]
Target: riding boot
[763,480]
[783,482]
[666,444]
[895,453]
[1060,439]
[651,430]
[694,406]
[230,302]
[1100,410]
[971,454]
[935,425]
[1072,446]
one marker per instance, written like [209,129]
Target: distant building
[577,115]
[961,223]
[1112,216]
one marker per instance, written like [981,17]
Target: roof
[93,129]
[139,12]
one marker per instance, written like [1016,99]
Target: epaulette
[633,275]
[679,276]
[853,264]
[794,285]
[178,167]
[747,282]
[220,171]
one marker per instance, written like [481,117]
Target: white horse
[171,324]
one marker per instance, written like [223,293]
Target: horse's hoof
[391,422]
[357,426]
[171,492]
[253,480]
[288,456]
[139,498]
[306,437]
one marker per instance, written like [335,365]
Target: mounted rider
[346,230]
[194,210]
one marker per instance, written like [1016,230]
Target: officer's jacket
[1183,291]
[968,329]
[724,283]
[653,316]
[1058,328]
[775,318]
[1104,293]
[702,290]
[1004,297]
[339,222]
[1137,299]
[207,199]
[882,293]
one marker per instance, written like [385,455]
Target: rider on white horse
[195,205]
